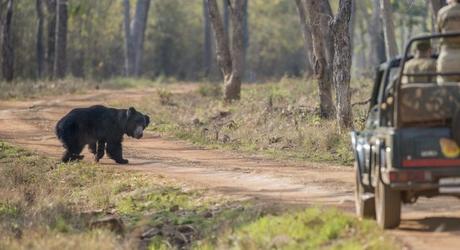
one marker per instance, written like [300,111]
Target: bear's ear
[147,120]
[131,111]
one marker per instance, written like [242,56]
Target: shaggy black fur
[100,128]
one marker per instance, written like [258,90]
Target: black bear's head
[136,123]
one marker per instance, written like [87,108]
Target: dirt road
[430,224]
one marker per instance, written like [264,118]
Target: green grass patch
[313,228]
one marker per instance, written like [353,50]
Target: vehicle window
[387,87]
[385,106]
[376,88]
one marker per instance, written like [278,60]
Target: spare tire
[456,127]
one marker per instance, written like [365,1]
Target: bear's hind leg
[115,152]
[92,148]
[100,150]
[95,149]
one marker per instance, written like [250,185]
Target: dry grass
[48,205]
[21,89]
[39,203]
[280,119]
[45,204]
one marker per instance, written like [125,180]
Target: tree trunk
[352,25]
[129,58]
[138,29]
[245,31]
[342,63]
[207,45]
[233,86]
[402,32]
[362,63]
[40,47]
[51,37]
[60,58]
[426,21]
[231,65]
[7,45]
[326,16]
[320,62]
[410,29]
[306,32]
[222,49]
[377,52]
[225,7]
[389,29]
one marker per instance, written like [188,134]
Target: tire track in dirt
[430,224]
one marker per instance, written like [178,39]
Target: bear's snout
[138,132]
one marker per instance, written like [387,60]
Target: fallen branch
[361,103]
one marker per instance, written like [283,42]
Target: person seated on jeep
[449,21]
[421,63]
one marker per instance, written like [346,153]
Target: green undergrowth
[278,119]
[49,205]
[313,228]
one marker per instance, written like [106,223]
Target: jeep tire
[388,206]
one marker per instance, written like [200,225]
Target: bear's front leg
[115,152]
[72,153]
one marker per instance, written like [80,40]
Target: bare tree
[7,44]
[320,62]
[245,31]
[377,43]
[129,58]
[326,17]
[60,56]
[138,27]
[389,29]
[40,47]
[207,45]
[352,24]
[231,64]
[331,39]
[225,10]
[362,23]
[51,36]
[342,63]
[306,32]
[134,35]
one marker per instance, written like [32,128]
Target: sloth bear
[99,127]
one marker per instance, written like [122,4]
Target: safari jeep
[407,148]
